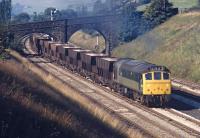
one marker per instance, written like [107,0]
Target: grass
[30,108]
[175,44]
[91,106]
[87,41]
[176,3]
[184,3]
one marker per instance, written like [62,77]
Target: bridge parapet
[37,25]
[96,19]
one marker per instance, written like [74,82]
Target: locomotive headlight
[167,85]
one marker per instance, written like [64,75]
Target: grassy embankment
[30,109]
[175,44]
[78,117]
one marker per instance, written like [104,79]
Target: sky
[31,6]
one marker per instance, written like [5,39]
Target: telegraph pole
[5,18]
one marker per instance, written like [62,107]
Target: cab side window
[148,76]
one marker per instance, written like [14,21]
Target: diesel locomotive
[145,82]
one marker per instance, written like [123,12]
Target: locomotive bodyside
[148,82]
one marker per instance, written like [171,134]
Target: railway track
[190,89]
[152,121]
[189,96]
[186,83]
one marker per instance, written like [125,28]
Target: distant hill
[175,43]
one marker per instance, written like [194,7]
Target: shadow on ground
[28,112]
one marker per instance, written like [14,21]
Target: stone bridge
[62,30]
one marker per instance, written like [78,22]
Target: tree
[39,17]
[99,7]
[159,11]
[83,11]
[130,23]
[5,11]
[68,13]
[22,18]
[198,3]
[34,16]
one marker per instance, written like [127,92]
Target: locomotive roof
[140,66]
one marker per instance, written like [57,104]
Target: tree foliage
[159,11]
[198,3]
[22,18]
[68,13]
[131,24]
[46,15]
[99,7]
[5,11]
[82,10]
[128,23]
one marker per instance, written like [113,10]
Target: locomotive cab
[156,83]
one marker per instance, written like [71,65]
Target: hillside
[184,3]
[175,43]
[30,108]
[177,3]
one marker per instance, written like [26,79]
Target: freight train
[145,82]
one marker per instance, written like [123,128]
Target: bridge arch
[21,41]
[22,36]
[93,39]
[103,28]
